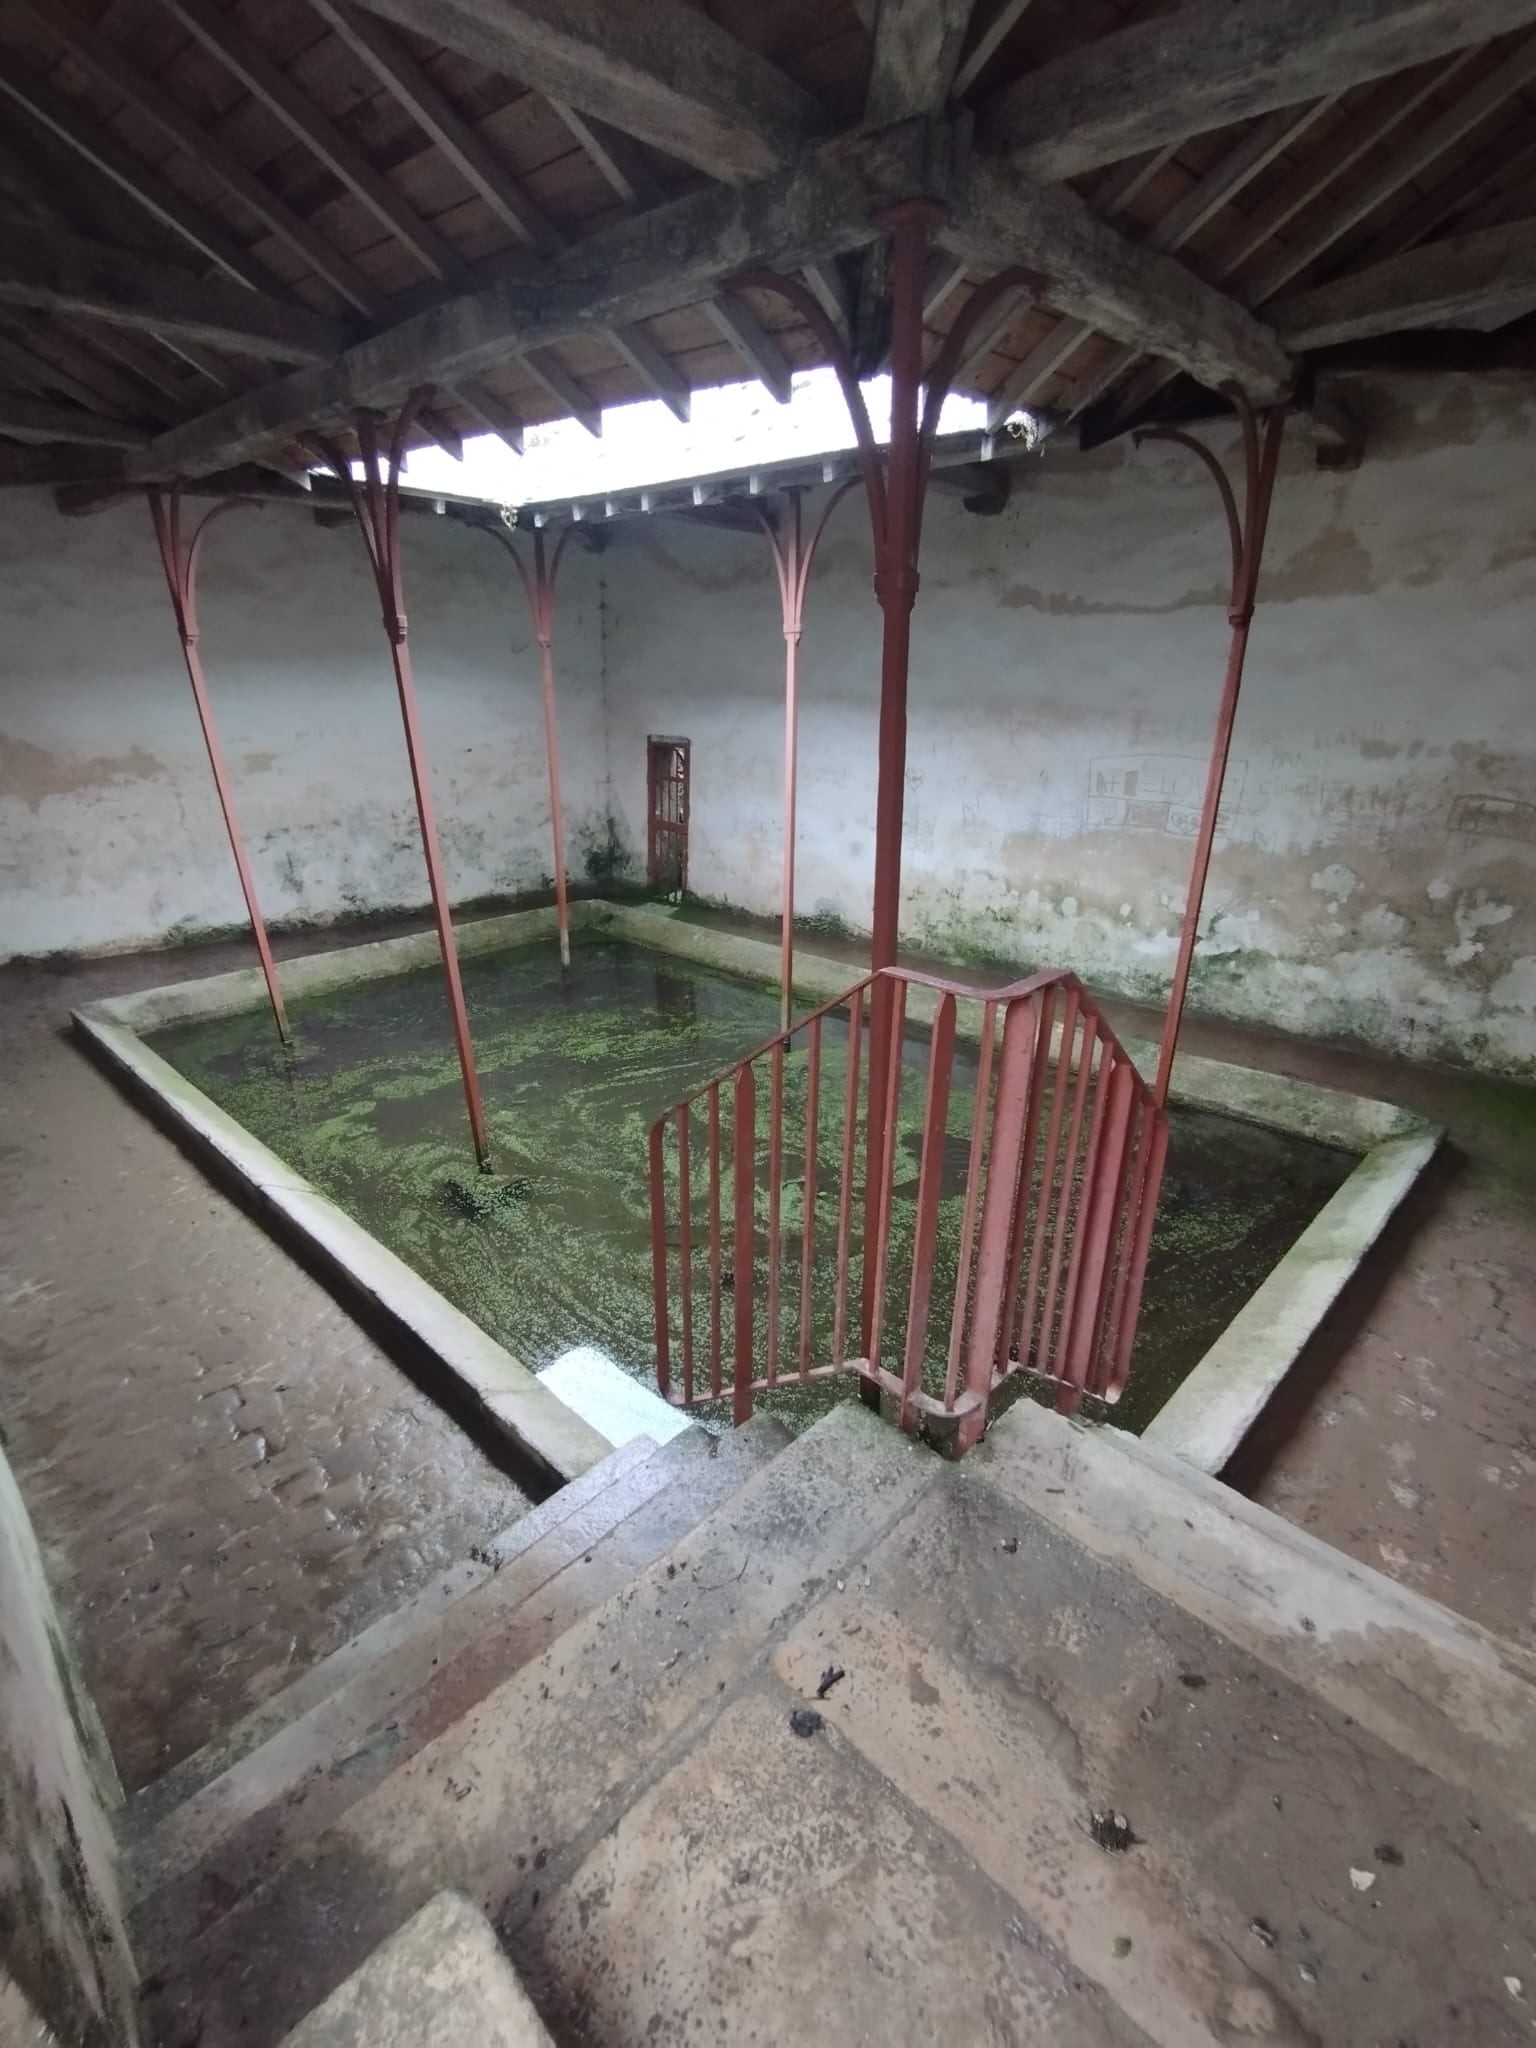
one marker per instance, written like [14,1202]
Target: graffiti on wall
[1155,793]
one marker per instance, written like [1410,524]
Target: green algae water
[574,1068]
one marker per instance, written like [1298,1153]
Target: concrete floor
[229,1477]
[1407,1436]
[1065,1743]
[151,1328]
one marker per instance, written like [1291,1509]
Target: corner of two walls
[1377,846]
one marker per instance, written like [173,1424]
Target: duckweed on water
[553,1250]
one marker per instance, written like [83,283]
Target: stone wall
[110,834]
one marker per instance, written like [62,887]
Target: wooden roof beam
[59,273]
[1478,280]
[1213,63]
[653,263]
[916,54]
[1253,153]
[1130,293]
[664,72]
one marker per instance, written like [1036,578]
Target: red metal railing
[1028,1225]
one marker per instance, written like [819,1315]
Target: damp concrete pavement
[228,1476]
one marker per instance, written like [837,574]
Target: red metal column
[539,589]
[792,559]
[895,496]
[1261,456]
[376,503]
[896,591]
[181,578]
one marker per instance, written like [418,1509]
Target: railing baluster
[714,1239]
[898,1029]
[812,1134]
[685,1239]
[1060,1083]
[930,1187]
[1141,1225]
[659,1261]
[1055,1226]
[744,1248]
[1039,1072]
[973,1173]
[775,1176]
[845,1188]
[1050,1319]
[1098,1124]
[1102,1213]
[1009,1112]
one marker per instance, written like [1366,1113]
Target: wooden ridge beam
[1477,280]
[663,71]
[1214,63]
[65,274]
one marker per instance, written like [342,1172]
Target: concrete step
[443,1974]
[427,1668]
[930,1866]
[144,1812]
[506,1802]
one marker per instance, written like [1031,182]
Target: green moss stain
[574,1068]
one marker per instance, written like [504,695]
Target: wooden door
[667,762]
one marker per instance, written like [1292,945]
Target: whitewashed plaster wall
[110,834]
[1374,864]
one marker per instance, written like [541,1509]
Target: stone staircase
[1113,1757]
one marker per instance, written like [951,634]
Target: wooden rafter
[90,140]
[1479,280]
[632,180]
[987,42]
[1390,115]
[58,273]
[89,46]
[1265,141]
[663,72]
[310,125]
[1129,293]
[1215,63]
